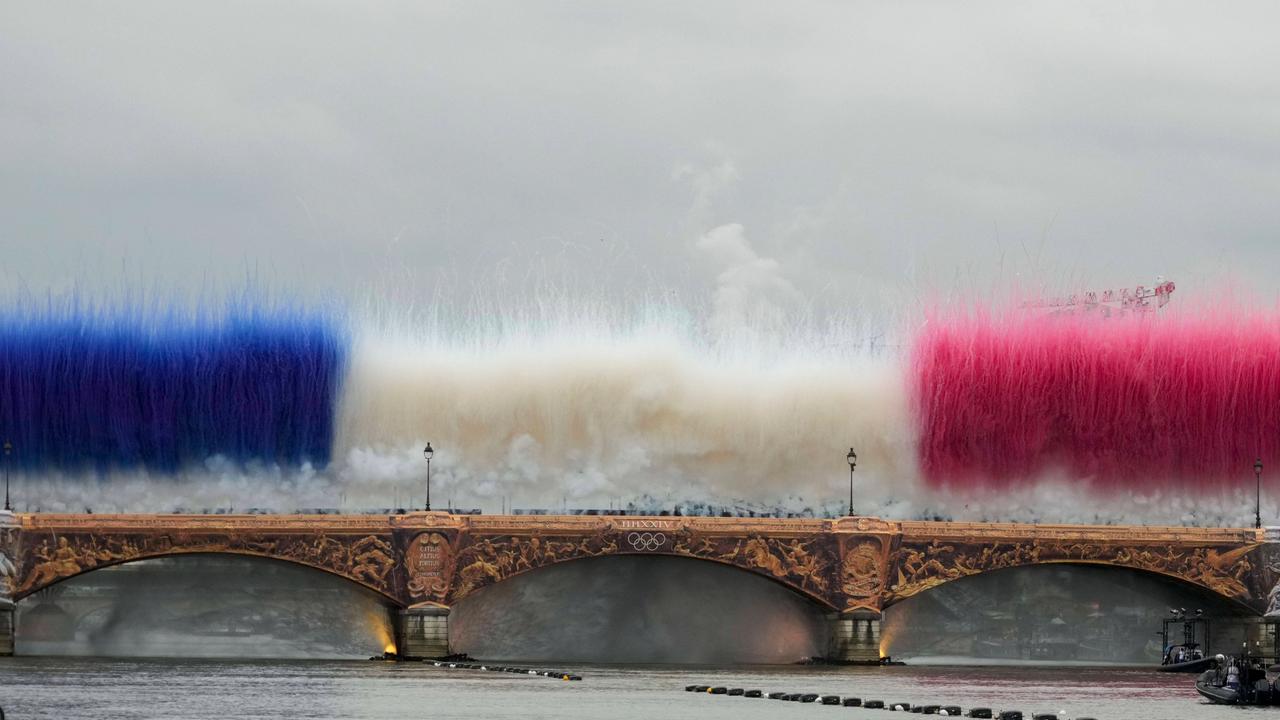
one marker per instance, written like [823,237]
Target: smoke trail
[638,610]
[104,388]
[1137,402]
[752,295]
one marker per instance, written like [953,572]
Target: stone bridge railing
[423,563]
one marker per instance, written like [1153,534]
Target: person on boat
[1233,677]
[1219,669]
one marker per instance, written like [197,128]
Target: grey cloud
[882,151]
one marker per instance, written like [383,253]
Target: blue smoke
[103,388]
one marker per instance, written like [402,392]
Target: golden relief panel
[919,566]
[428,564]
[367,559]
[862,571]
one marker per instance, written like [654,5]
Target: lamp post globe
[427,452]
[852,458]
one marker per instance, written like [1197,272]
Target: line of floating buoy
[941,710]
[554,674]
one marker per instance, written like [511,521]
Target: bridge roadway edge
[422,563]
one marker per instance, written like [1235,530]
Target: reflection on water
[89,689]
[204,606]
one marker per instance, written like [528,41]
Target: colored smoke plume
[1137,402]
[120,407]
[119,388]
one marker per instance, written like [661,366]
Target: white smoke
[217,484]
[752,295]
[593,420]
[706,184]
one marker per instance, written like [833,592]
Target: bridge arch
[640,607]
[36,582]
[807,566]
[367,562]
[468,583]
[1055,611]
[206,604]
[1225,586]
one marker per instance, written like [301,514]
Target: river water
[112,689]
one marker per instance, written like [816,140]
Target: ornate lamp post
[1257,500]
[8,450]
[427,452]
[852,457]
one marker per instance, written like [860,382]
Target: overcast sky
[834,152]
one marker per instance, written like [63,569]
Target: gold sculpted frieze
[920,566]
[8,561]
[367,559]
[805,563]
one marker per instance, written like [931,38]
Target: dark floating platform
[455,658]
[554,674]
[882,662]
[851,701]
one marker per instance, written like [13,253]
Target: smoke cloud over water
[638,609]
[593,421]
[566,404]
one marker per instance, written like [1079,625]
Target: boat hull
[1191,666]
[1218,695]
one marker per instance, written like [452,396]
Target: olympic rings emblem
[646,541]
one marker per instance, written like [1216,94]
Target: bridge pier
[423,632]
[8,579]
[7,629]
[854,637]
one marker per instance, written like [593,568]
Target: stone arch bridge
[423,563]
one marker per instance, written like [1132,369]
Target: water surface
[115,689]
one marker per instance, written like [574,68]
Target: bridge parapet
[913,529]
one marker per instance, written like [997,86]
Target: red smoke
[1139,402]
